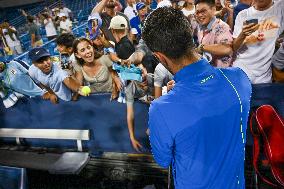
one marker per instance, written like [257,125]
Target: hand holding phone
[251,21]
[250,26]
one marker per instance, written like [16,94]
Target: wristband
[201,47]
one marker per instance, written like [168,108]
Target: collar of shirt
[193,71]
[123,40]
[210,25]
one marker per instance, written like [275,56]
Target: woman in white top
[49,27]
[95,70]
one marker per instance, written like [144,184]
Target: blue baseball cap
[36,53]
[140,6]
[94,25]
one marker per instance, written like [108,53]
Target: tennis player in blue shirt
[199,127]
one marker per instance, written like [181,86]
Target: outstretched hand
[51,97]
[136,145]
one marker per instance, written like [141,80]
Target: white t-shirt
[66,11]
[254,58]
[49,27]
[161,76]
[164,3]
[130,11]
[9,41]
[66,26]
[188,12]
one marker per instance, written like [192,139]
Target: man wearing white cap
[107,15]
[123,46]
[65,25]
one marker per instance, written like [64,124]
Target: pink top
[217,32]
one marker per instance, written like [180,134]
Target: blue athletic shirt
[136,23]
[199,127]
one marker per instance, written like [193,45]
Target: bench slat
[45,133]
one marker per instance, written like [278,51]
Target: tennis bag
[267,128]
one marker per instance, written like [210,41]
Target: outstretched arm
[130,123]
[218,49]
[99,7]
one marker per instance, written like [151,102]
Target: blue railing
[50,45]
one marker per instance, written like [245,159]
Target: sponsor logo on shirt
[207,79]
[13,72]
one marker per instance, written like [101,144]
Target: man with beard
[107,15]
[201,135]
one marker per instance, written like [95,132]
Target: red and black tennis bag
[267,128]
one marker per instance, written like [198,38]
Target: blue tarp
[12,178]
[106,120]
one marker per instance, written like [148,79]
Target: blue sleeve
[160,138]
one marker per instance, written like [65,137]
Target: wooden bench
[57,163]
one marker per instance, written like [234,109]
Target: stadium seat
[52,49]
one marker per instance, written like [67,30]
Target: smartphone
[65,61]
[252,21]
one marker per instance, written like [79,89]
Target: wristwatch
[201,47]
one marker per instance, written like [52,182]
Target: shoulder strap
[24,64]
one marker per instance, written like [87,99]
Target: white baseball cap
[118,22]
[61,14]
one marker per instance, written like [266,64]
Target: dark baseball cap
[140,6]
[36,53]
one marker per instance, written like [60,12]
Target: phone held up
[252,21]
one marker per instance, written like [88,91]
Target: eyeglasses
[202,11]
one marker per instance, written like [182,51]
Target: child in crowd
[64,46]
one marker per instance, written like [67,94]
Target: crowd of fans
[55,22]
[113,57]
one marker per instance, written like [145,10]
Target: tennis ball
[86,90]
